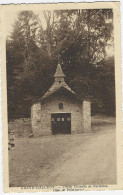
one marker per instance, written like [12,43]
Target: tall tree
[76,38]
[21,56]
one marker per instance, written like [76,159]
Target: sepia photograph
[61,97]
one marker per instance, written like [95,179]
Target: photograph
[61,97]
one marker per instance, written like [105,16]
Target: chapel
[60,110]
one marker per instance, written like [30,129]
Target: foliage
[78,40]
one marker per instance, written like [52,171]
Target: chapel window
[60,106]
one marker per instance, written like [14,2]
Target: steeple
[59,75]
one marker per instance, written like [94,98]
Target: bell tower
[59,75]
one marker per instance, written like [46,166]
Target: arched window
[60,106]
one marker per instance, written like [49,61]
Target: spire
[59,75]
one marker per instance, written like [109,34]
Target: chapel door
[61,123]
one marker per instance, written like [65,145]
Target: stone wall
[70,105]
[86,116]
[41,114]
[51,105]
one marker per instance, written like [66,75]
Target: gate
[61,123]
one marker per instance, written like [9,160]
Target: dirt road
[65,159]
[91,162]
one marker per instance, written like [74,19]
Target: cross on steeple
[59,75]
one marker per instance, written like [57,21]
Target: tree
[21,56]
[78,40]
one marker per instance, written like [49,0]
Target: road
[65,159]
[91,162]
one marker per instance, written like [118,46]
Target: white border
[55,1]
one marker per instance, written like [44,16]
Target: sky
[11,18]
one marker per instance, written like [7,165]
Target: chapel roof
[56,86]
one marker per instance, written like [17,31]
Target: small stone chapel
[60,110]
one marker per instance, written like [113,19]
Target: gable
[60,94]
[55,87]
